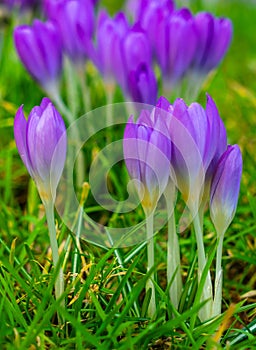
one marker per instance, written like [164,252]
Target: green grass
[105,291]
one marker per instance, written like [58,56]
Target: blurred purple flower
[75,22]
[140,82]
[139,9]
[39,48]
[225,188]
[20,4]
[142,85]
[37,139]
[176,47]
[147,154]
[109,34]
[152,16]
[124,55]
[213,39]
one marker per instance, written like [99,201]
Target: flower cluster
[187,146]
[170,147]
[186,47]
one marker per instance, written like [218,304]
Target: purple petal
[20,126]
[142,85]
[225,188]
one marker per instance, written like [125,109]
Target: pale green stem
[173,262]
[59,283]
[151,262]
[72,91]
[205,311]
[84,89]
[216,309]
[76,252]
[110,88]
[62,108]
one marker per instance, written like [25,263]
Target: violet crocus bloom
[147,152]
[109,34]
[124,56]
[152,16]
[140,82]
[51,6]
[213,39]
[176,47]
[75,22]
[39,48]
[142,85]
[41,142]
[19,4]
[199,138]
[225,188]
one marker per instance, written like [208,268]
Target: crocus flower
[39,48]
[142,85]
[75,22]
[41,142]
[19,4]
[152,16]
[140,82]
[109,34]
[213,39]
[139,9]
[147,152]
[176,47]
[199,138]
[225,188]
[124,56]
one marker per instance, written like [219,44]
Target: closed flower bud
[41,142]
[147,152]
[225,188]
[39,48]
[213,39]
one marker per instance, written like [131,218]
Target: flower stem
[173,262]
[151,261]
[205,312]
[216,309]
[110,89]
[71,87]
[59,283]
[84,89]
[62,108]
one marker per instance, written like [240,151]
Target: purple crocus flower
[75,22]
[142,85]
[176,47]
[213,39]
[152,16]
[147,152]
[39,48]
[124,55]
[41,142]
[146,9]
[225,188]
[199,138]
[20,4]
[109,34]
